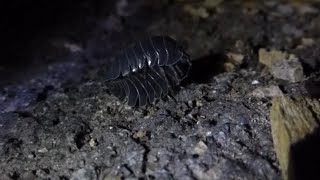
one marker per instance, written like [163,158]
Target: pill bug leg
[149,89]
[113,70]
[155,72]
[142,93]
[123,91]
[155,85]
[171,75]
[132,96]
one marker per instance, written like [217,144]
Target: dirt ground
[58,120]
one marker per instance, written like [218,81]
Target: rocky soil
[58,120]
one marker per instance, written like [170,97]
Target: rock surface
[60,122]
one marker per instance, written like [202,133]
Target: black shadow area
[204,68]
[27,27]
[312,86]
[305,158]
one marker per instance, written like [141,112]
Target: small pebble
[209,133]
[200,148]
[31,156]
[140,134]
[289,70]
[254,82]
[93,142]
[263,92]
[43,150]
[269,57]
[199,103]
[235,58]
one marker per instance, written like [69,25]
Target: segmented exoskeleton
[148,70]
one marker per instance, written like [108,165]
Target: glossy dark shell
[147,70]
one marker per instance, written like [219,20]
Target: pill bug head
[148,70]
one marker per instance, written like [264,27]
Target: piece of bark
[295,132]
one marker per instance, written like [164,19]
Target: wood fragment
[294,122]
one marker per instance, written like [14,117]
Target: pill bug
[147,70]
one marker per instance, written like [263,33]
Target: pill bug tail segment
[148,70]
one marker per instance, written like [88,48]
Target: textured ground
[59,122]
